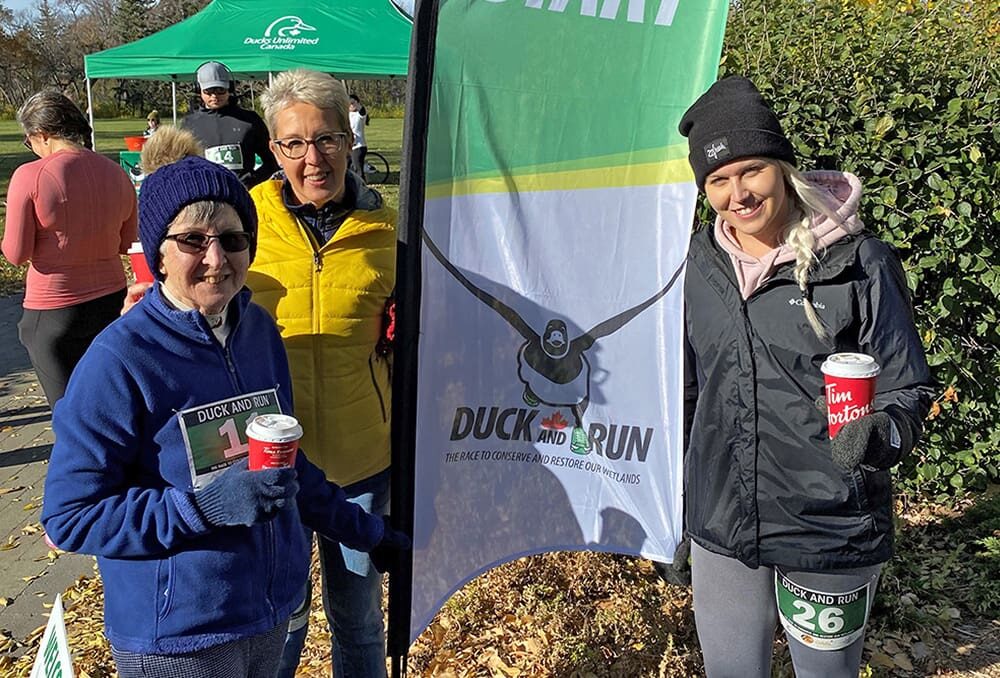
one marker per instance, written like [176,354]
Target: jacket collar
[832,261]
[192,324]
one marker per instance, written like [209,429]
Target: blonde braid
[808,200]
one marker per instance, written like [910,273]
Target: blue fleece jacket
[119,484]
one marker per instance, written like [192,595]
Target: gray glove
[872,440]
[678,572]
[242,497]
[875,440]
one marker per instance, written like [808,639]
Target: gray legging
[736,616]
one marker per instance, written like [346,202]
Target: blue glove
[385,551]
[243,497]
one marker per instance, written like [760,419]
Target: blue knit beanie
[173,187]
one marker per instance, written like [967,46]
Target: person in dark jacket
[232,136]
[787,525]
[203,560]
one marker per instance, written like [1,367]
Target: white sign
[53,660]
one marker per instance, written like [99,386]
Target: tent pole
[251,94]
[173,92]
[90,114]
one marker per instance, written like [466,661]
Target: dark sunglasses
[194,242]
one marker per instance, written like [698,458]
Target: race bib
[229,156]
[824,621]
[215,434]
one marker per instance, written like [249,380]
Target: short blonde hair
[307,87]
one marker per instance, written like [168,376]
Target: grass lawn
[384,135]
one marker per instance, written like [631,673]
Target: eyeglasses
[193,242]
[294,148]
[27,143]
[217,91]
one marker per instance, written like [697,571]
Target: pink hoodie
[845,194]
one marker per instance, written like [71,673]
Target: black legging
[358,160]
[57,338]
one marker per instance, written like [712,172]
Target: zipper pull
[318,261]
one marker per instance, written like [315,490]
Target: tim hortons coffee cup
[139,266]
[850,387]
[274,439]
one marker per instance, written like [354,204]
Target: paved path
[28,578]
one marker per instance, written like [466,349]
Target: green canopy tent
[254,38]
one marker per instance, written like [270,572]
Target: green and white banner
[557,211]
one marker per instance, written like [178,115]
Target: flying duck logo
[285,33]
[553,367]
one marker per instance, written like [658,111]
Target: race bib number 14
[824,621]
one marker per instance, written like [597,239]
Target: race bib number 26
[824,621]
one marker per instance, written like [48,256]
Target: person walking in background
[325,270]
[202,564]
[232,136]
[787,525]
[70,214]
[152,123]
[359,118]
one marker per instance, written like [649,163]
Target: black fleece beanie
[728,122]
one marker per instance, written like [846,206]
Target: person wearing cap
[202,560]
[232,136]
[785,524]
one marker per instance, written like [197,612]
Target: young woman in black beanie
[787,525]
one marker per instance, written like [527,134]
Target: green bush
[906,96]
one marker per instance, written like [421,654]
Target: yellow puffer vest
[328,304]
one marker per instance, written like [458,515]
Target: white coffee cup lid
[274,428]
[136,248]
[850,366]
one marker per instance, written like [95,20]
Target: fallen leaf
[902,661]
[883,660]
[6,490]
[11,543]
[4,602]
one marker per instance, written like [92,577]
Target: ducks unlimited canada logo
[285,33]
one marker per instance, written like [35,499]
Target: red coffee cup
[139,266]
[274,439]
[850,387]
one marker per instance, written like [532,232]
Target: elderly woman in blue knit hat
[203,560]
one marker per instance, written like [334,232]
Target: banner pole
[408,273]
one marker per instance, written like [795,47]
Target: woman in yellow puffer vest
[325,270]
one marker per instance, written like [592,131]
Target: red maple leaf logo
[555,422]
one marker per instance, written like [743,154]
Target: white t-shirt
[358,127]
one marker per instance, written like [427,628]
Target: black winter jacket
[760,482]
[222,129]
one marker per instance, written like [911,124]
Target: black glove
[678,572]
[869,440]
[243,497]
[392,541]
